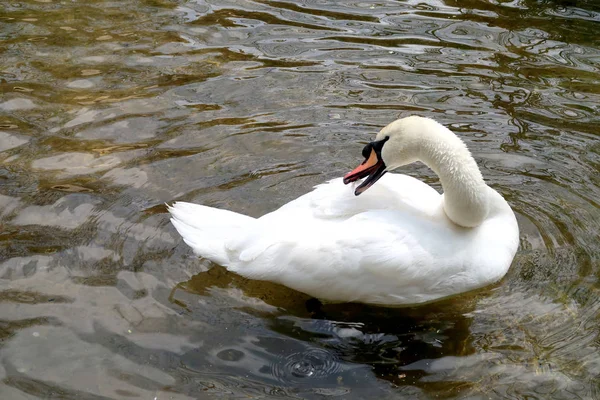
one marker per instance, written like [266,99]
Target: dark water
[108,109]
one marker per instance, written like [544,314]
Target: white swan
[398,243]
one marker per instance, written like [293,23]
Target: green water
[109,109]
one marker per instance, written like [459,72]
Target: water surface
[109,109]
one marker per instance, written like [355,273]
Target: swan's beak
[373,168]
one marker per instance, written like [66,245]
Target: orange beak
[364,169]
[373,168]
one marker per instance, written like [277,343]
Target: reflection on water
[110,109]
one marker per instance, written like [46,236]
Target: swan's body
[400,242]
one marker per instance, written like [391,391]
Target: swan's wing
[377,252]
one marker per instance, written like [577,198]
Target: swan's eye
[366,153]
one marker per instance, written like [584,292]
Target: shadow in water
[301,343]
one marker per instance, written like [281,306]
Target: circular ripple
[312,363]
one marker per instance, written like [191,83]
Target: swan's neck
[465,192]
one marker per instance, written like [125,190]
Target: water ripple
[110,109]
[312,363]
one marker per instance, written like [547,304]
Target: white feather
[394,244]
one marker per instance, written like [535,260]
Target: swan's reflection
[302,343]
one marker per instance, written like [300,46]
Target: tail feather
[206,229]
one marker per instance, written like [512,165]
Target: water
[110,109]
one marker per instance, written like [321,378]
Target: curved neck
[465,192]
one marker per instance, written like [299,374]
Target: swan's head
[395,145]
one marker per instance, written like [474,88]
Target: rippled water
[109,109]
